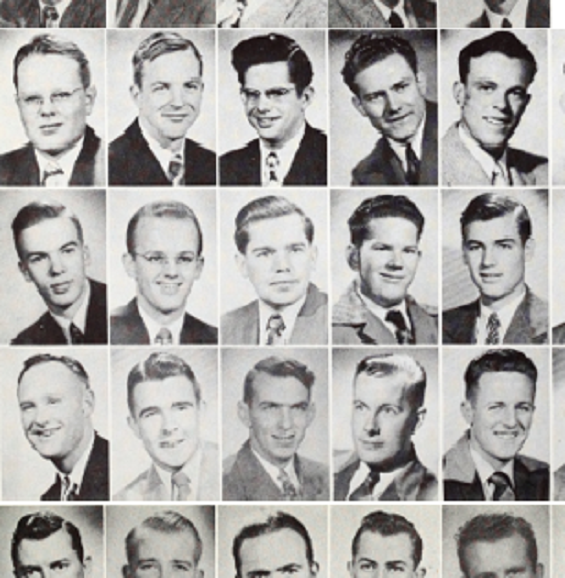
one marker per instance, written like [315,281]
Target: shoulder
[35,333]
[196,150]
[313,134]
[426,13]
[135,490]
[532,464]
[199,332]
[421,308]
[240,313]
[308,14]
[370,165]
[530,164]
[14,162]
[237,154]
[343,459]
[559,334]
[312,468]
[456,313]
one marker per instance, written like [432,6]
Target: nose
[56,265]
[373,424]
[263,103]
[47,108]
[392,102]
[396,259]
[168,423]
[285,418]
[170,268]
[501,100]
[282,261]
[177,97]
[488,257]
[510,418]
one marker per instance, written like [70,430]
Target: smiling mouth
[61,288]
[372,445]
[491,277]
[50,128]
[169,288]
[266,121]
[45,433]
[507,435]
[171,444]
[495,121]
[392,278]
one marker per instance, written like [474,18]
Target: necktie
[53,175]
[69,491]
[506,23]
[289,490]
[49,17]
[498,179]
[503,491]
[493,333]
[164,337]
[275,328]
[412,166]
[131,13]
[395,21]
[175,170]
[273,163]
[181,486]
[77,336]
[365,490]
[402,333]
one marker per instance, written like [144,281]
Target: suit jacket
[245,479]
[461,481]
[131,162]
[20,168]
[241,326]
[413,482]
[149,487]
[383,167]
[354,324]
[537,16]
[309,167]
[287,14]
[171,14]
[79,14]
[459,166]
[529,324]
[95,484]
[127,328]
[365,14]
[46,331]
[559,484]
[559,334]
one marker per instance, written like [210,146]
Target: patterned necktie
[77,336]
[49,17]
[181,486]
[175,171]
[70,493]
[275,328]
[288,488]
[493,333]
[498,179]
[503,491]
[395,21]
[402,333]
[365,490]
[131,13]
[273,164]
[506,23]
[53,175]
[412,166]
[164,337]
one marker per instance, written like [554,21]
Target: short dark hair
[388,524]
[278,367]
[158,367]
[273,48]
[496,361]
[274,523]
[270,207]
[46,44]
[41,525]
[488,206]
[162,210]
[156,45]
[38,211]
[166,522]
[503,42]
[491,528]
[385,364]
[374,47]
[380,207]
[71,364]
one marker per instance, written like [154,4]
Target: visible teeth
[496,121]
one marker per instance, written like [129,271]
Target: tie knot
[52,170]
[502,486]
[397,319]
[395,21]
[289,489]
[365,490]
[164,337]
[175,168]
[275,329]
[69,490]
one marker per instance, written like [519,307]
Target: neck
[70,311]
[503,8]
[160,317]
[66,464]
[496,304]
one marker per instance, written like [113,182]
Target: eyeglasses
[275,95]
[159,260]
[59,99]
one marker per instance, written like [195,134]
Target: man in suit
[382,14]
[495,72]
[382,73]
[484,464]
[56,405]
[496,544]
[269,14]
[384,465]
[497,243]
[52,255]
[165,540]
[276,253]
[54,96]
[167,90]
[43,543]
[165,400]
[513,14]
[165,14]
[275,77]
[164,257]
[384,252]
[277,408]
[388,541]
[53,14]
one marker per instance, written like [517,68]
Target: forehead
[40,552]
[374,546]
[504,227]
[374,389]
[163,392]
[504,386]
[277,231]
[172,67]
[391,228]
[49,378]
[383,73]
[162,546]
[271,388]
[158,233]
[48,235]
[41,72]
[497,558]
[499,68]
[267,75]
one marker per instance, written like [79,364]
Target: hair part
[71,364]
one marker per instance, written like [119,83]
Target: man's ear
[241,262]
[90,99]
[134,92]
[310,413]
[243,413]
[350,569]
[529,249]
[467,411]
[24,271]
[314,568]
[459,92]
[352,255]
[422,82]
[420,417]
[86,255]
[129,265]
[358,105]
[307,96]
[88,402]
[420,573]
[87,565]
[133,426]
[199,267]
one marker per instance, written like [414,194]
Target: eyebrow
[64,246]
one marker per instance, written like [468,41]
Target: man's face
[279,260]
[384,556]
[387,260]
[391,96]
[53,127]
[170,95]
[55,409]
[501,415]
[500,559]
[51,556]
[166,418]
[277,555]
[163,555]
[493,98]
[273,106]
[383,422]
[166,263]
[54,259]
[496,257]
[277,417]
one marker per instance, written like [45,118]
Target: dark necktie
[175,169]
[181,486]
[77,336]
[70,493]
[288,488]
[273,163]
[503,491]
[493,333]
[365,490]
[52,171]
[395,21]
[402,333]
[164,337]
[412,166]
[506,23]
[49,17]
[275,328]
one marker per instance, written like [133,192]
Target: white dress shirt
[505,315]
[66,162]
[153,328]
[360,475]
[517,17]
[285,155]
[274,471]
[77,475]
[289,315]
[79,318]
[163,155]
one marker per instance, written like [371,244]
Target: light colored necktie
[164,337]
[498,178]
[273,164]
[275,328]
[53,176]
[365,490]
[69,491]
[503,491]
[181,486]
[49,17]
[288,488]
[493,327]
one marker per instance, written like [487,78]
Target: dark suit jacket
[79,14]
[127,328]
[173,14]
[365,14]
[537,16]
[131,162]
[46,331]
[529,324]
[461,481]
[245,479]
[20,168]
[95,485]
[309,167]
[383,167]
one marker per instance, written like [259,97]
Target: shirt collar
[386,478]
[190,468]
[288,313]
[485,471]
[79,318]
[61,6]
[175,327]
[505,315]
[399,9]
[285,154]
[381,312]
[66,161]
[274,471]
[416,142]
[517,17]
[77,474]
[163,155]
